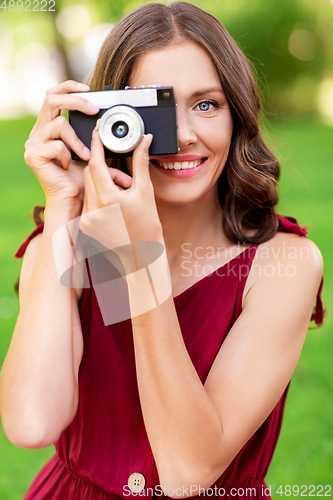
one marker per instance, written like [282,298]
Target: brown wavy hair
[248,185]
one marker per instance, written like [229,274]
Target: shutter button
[136,482]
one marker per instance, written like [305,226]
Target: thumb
[140,162]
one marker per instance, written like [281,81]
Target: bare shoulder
[287,247]
[286,261]
[258,356]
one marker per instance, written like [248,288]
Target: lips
[184,165]
[184,162]
[182,170]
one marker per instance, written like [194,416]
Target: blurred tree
[290,42]
[61,44]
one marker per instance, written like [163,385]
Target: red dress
[107,441]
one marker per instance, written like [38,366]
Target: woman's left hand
[106,186]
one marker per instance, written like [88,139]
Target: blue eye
[204,106]
[207,105]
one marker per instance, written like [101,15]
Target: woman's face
[203,117]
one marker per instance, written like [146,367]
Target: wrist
[59,237]
[61,210]
[150,284]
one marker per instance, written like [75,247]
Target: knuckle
[27,157]
[49,100]
[50,91]
[27,144]
[60,147]
[30,156]
[62,121]
[71,82]
[56,88]
[28,152]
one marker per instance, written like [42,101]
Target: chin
[176,197]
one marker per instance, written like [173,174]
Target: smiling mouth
[184,165]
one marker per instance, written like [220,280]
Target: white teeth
[179,165]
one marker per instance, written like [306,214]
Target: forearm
[38,383]
[182,423]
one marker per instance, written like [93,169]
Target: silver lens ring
[129,124]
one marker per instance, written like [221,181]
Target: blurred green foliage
[290,85]
[290,42]
[304,453]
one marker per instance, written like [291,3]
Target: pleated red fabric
[107,441]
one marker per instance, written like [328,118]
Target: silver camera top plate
[132,97]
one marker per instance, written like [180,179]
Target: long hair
[248,185]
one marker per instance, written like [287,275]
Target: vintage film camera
[125,115]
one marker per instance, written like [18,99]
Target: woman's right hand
[47,149]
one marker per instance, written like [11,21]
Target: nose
[185,128]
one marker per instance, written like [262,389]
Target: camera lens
[120,129]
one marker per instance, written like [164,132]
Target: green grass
[20,191]
[304,453]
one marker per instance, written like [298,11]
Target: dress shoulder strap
[21,251]
[286,224]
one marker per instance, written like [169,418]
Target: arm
[38,385]
[195,431]
[39,378]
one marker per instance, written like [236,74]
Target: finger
[99,169]
[68,86]
[120,178]
[59,128]
[55,103]
[62,88]
[37,156]
[90,195]
[140,162]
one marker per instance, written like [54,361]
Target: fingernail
[148,139]
[83,86]
[92,107]
[86,152]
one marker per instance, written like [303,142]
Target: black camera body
[124,116]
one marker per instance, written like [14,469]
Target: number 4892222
[305,491]
[28,5]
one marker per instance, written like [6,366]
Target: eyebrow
[198,93]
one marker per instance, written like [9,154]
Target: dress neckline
[209,277]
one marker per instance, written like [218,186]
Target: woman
[189,395]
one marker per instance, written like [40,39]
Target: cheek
[217,137]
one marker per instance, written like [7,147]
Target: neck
[196,224]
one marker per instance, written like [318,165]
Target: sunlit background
[290,44]
[40,50]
